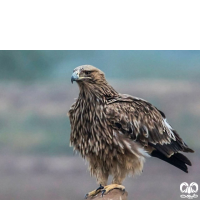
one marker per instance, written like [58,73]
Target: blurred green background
[36,94]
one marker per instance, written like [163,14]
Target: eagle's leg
[116,182]
[102,178]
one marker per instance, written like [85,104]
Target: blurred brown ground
[26,174]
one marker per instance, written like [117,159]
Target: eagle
[115,132]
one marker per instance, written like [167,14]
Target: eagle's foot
[108,188]
[94,192]
[104,190]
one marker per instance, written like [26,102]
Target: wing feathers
[144,123]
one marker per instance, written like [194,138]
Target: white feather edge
[143,152]
[171,134]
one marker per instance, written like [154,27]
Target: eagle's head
[87,74]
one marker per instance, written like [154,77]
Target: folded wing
[144,123]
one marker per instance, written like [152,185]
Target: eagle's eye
[87,72]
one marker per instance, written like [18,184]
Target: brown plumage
[115,132]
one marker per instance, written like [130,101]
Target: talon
[86,196]
[123,191]
[100,187]
[103,191]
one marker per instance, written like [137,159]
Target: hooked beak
[75,76]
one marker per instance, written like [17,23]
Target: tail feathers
[187,149]
[177,159]
[182,158]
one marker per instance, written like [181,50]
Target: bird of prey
[115,132]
